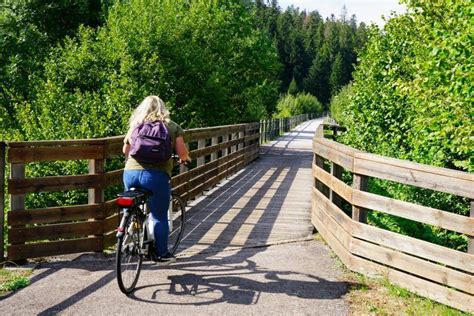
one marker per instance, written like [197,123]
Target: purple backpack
[151,143]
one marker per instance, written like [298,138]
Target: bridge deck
[269,202]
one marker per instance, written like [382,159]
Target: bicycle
[135,240]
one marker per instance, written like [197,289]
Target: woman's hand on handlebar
[185,161]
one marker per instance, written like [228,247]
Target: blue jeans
[157,182]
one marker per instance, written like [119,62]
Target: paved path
[249,251]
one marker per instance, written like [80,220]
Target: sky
[365,10]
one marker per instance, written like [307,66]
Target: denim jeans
[157,182]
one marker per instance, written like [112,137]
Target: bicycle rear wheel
[177,222]
[128,256]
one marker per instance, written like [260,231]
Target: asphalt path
[298,278]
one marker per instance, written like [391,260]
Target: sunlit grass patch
[11,280]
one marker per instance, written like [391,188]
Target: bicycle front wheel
[177,219]
[129,257]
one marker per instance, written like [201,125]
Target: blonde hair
[151,109]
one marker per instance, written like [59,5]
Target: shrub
[302,103]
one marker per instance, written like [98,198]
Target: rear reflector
[125,201]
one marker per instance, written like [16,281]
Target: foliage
[11,280]
[340,102]
[28,30]
[412,99]
[302,103]
[317,54]
[206,60]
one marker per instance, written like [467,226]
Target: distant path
[248,251]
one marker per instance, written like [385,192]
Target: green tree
[28,30]
[207,60]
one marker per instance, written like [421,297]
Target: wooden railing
[272,128]
[442,274]
[217,151]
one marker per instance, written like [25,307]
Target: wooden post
[360,183]
[241,135]
[17,201]
[225,139]
[233,136]
[183,168]
[470,245]
[2,199]
[96,166]
[201,144]
[336,171]
[214,141]
[96,195]
[260,140]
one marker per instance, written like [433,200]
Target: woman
[155,176]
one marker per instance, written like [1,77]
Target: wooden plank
[110,239]
[424,176]
[342,189]
[456,259]
[346,150]
[69,142]
[2,198]
[223,172]
[359,183]
[54,153]
[343,254]
[208,132]
[195,172]
[336,172]
[55,231]
[110,208]
[17,252]
[413,265]
[54,214]
[343,159]
[344,237]
[113,177]
[416,285]
[211,149]
[470,244]
[419,213]
[339,216]
[58,183]
[319,162]
[113,149]
[111,223]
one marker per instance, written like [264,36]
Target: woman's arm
[182,150]
[126,150]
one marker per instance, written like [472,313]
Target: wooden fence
[217,151]
[271,128]
[442,274]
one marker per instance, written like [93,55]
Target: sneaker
[166,259]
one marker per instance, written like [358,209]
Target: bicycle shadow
[235,284]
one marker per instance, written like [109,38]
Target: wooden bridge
[236,201]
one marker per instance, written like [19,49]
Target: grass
[11,280]
[369,296]
[377,296]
